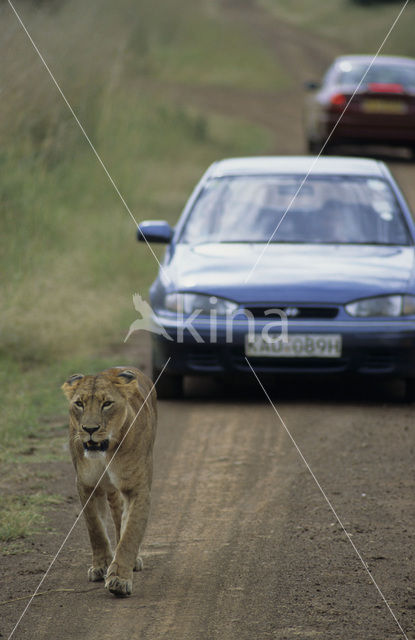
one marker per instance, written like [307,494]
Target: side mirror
[311,85]
[154,231]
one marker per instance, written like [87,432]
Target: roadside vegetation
[20,517]
[69,263]
[358,27]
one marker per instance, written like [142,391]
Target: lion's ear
[127,375]
[126,381]
[69,387]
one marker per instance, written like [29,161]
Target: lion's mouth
[91,445]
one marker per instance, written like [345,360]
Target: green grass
[354,27]
[203,50]
[21,517]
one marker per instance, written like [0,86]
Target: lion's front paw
[118,586]
[138,565]
[96,574]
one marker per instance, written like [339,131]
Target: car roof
[297,165]
[392,60]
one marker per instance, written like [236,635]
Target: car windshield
[278,208]
[351,73]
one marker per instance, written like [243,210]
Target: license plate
[384,106]
[308,345]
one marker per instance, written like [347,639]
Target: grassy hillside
[358,28]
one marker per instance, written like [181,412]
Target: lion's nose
[90,430]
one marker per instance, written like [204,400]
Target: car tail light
[338,101]
[385,87]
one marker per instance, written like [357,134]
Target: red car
[381,111]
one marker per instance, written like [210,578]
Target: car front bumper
[374,348]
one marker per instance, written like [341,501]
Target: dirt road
[241,542]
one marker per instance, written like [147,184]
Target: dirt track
[241,543]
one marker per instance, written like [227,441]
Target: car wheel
[169,385]
[410,390]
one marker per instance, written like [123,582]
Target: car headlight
[382,306]
[188,303]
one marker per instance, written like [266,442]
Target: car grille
[295,312]
[204,361]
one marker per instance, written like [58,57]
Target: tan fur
[125,486]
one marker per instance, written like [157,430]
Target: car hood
[291,272]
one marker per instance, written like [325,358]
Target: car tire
[169,385]
[410,390]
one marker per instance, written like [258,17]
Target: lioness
[104,429]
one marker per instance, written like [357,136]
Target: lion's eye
[79,404]
[107,404]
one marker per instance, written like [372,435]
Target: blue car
[286,265]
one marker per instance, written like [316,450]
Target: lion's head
[100,407]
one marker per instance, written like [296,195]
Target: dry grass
[21,516]
[358,27]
